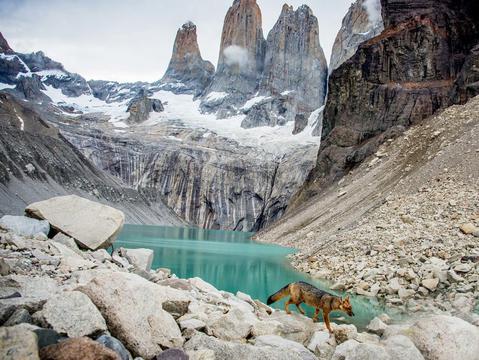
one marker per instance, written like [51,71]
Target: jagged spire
[4,47]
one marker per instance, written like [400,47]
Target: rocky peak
[187,71]
[4,47]
[362,22]
[242,51]
[295,71]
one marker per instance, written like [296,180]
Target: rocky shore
[58,301]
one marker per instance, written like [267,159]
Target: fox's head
[347,307]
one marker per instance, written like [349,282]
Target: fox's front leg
[286,306]
[316,314]
[299,308]
[326,321]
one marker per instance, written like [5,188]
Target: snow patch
[6,86]
[22,123]
[59,74]
[216,96]
[252,102]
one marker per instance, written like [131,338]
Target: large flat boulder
[25,226]
[91,224]
[133,310]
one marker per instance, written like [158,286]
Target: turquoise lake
[231,261]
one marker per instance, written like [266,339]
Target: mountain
[153,138]
[362,22]
[187,71]
[272,82]
[414,68]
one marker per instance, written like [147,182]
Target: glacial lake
[231,261]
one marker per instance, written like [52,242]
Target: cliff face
[4,47]
[362,22]
[295,72]
[187,71]
[394,80]
[242,51]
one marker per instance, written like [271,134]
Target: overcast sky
[132,40]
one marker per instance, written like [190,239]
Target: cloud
[236,55]
[373,7]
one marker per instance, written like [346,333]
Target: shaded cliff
[187,71]
[295,71]
[400,77]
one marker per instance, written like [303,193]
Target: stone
[132,307]
[81,348]
[376,326]
[405,294]
[235,325]
[187,71]
[6,310]
[281,343]
[430,284]
[400,347]
[442,337]
[236,351]
[344,350]
[67,241]
[92,225]
[344,333]
[101,255]
[468,228]
[394,285]
[462,268]
[19,316]
[140,258]
[4,268]
[368,351]
[172,354]
[141,106]
[25,226]
[192,324]
[115,345]
[71,313]
[322,344]
[17,343]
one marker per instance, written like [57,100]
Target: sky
[132,40]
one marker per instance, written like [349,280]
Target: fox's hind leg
[299,308]
[286,306]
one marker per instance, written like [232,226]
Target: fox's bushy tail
[278,295]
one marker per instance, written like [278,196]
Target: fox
[302,292]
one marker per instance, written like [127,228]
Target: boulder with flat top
[91,224]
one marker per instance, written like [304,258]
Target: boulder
[400,347]
[376,326]
[430,284]
[71,313]
[140,258]
[281,343]
[322,344]
[19,316]
[224,350]
[25,226]
[101,255]
[115,345]
[344,350]
[235,325]
[442,337]
[4,268]
[367,351]
[17,343]
[132,308]
[67,241]
[92,225]
[172,354]
[78,349]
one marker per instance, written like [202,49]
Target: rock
[385,318]
[368,352]
[281,343]
[441,337]
[344,333]
[4,268]
[78,349]
[405,294]
[101,255]
[17,343]
[430,284]
[468,228]
[235,325]
[91,224]
[344,350]
[187,71]
[177,308]
[141,106]
[462,268]
[293,327]
[376,326]
[67,241]
[394,285]
[338,286]
[19,316]
[25,226]
[172,354]
[132,307]
[115,345]
[192,324]
[6,310]
[322,344]
[400,347]
[224,350]
[82,318]
[140,258]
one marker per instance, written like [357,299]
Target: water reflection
[229,260]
